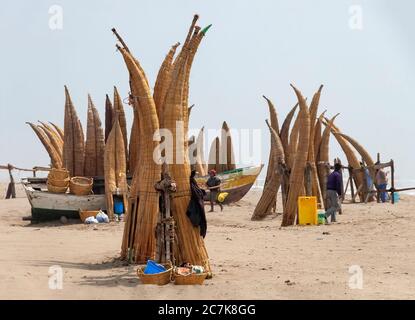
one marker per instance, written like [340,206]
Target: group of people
[196,209]
[334,189]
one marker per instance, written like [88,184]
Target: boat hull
[236,183]
[48,206]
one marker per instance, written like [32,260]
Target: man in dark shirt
[334,190]
[213,184]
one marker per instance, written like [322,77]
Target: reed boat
[235,182]
[47,206]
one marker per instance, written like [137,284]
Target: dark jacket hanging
[196,208]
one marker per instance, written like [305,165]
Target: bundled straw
[213,158]
[73,145]
[109,116]
[119,110]
[94,146]
[227,147]
[55,158]
[115,168]
[284,133]
[269,194]
[297,172]
[139,233]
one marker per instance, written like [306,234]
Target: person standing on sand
[213,184]
[334,191]
[382,183]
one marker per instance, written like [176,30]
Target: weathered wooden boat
[236,182]
[47,206]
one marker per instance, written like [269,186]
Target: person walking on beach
[213,184]
[334,191]
[382,183]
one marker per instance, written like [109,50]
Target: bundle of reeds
[200,165]
[213,158]
[53,136]
[109,116]
[119,111]
[228,155]
[94,146]
[296,182]
[55,157]
[58,130]
[134,146]
[269,194]
[73,145]
[139,233]
[190,243]
[115,168]
[315,184]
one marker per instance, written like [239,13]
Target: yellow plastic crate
[307,210]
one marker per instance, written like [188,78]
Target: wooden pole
[351,183]
[393,181]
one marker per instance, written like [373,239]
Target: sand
[251,260]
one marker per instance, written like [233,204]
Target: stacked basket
[81,186]
[58,180]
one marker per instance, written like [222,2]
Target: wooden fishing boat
[47,206]
[235,182]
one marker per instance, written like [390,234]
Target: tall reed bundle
[58,130]
[213,158]
[293,144]
[94,146]
[162,82]
[285,130]
[55,159]
[201,166]
[119,110]
[139,233]
[53,137]
[362,151]
[134,146]
[323,158]
[73,145]
[315,184]
[109,116]
[190,243]
[351,158]
[269,194]
[296,184]
[115,168]
[227,147]
[318,135]
[275,126]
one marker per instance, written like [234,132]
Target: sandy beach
[250,259]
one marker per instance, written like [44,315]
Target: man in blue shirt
[334,190]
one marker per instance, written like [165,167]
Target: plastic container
[396,197]
[153,268]
[307,210]
[321,217]
[118,207]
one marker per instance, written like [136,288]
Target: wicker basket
[160,279]
[58,174]
[81,186]
[190,279]
[86,214]
[58,182]
[55,189]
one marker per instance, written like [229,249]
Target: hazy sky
[253,48]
